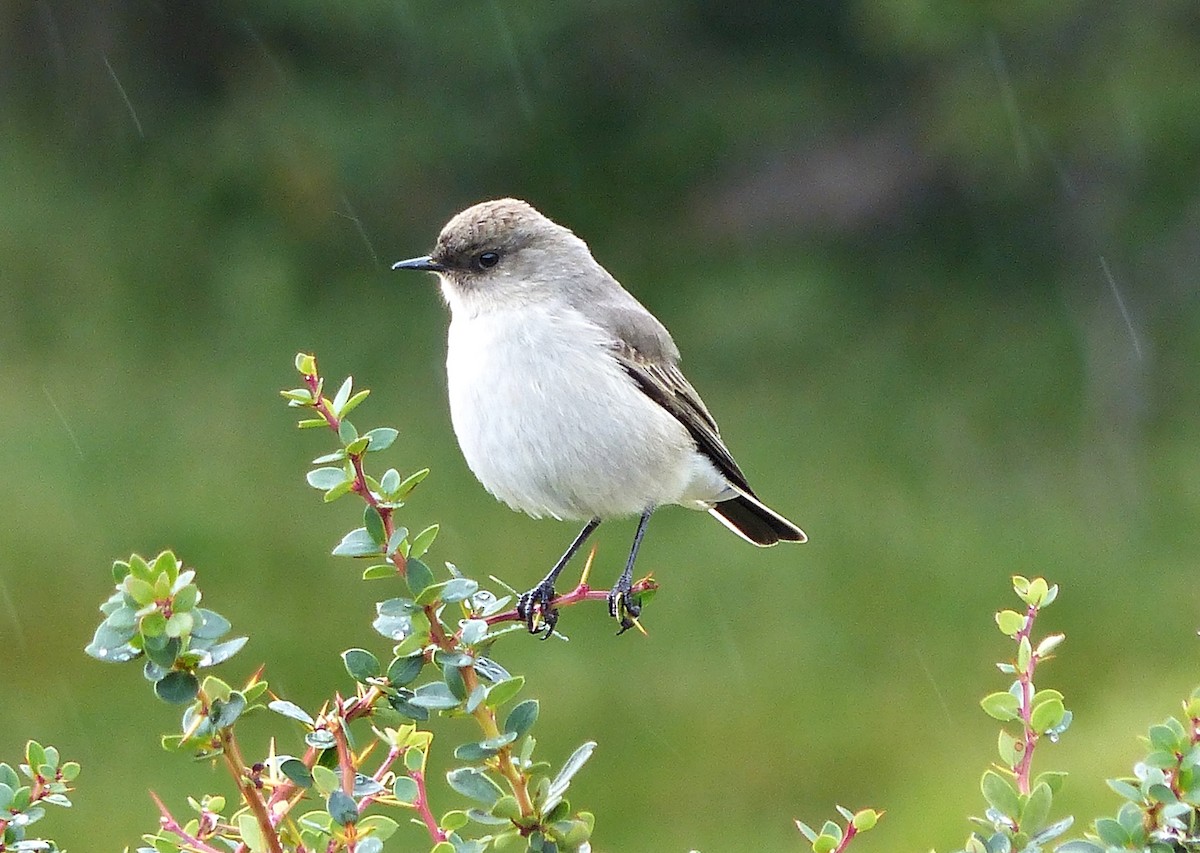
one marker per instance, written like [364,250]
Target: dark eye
[487,260]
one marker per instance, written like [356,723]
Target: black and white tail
[756,522]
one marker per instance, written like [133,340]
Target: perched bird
[566,394]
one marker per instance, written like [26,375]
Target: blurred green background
[933,265]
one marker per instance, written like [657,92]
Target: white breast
[551,424]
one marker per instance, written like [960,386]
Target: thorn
[254,679]
[273,772]
[587,567]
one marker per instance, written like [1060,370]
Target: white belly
[551,424]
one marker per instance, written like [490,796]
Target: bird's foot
[534,608]
[623,604]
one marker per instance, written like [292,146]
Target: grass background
[942,394]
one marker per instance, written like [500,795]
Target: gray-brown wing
[664,383]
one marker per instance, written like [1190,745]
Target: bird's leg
[622,604]
[536,602]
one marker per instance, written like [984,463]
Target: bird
[567,398]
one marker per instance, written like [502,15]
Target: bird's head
[501,253]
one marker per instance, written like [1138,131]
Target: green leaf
[409,483]
[342,808]
[436,696]
[1036,810]
[186,598]
[306,364]
[139,590]
[477,751]
[1111,832]
[379,571]
[506,807]
[112,644]
[153,624]
[223,651]
[1024,653]
[222,715]
[825,844]
[405,789]
[320,739]
[504,691]
[865,820]
[357,543]
[572,766]
[337,491]
[1079,847]
[1002,706]
[301,396]
[1164,738]
[444,658]
[459,589]
[491,670]
[1051,832]
[177,688]
[472,631]
[396,542]
[380,438]
[1007,747]
[1161,759]
[1047,715]
[423,540]
[251,833]
[295,769]
[373,522]
[166,564]
[210,625]
[361,664]
[289,709]
[395,626]
[419,576]
[325,780]
[431,593]
[354,400]
[342,396]
[475,784]
[1049,644]
[404,670]
[389,482]
[1125,789]
[1010,622]
[162,650]
[1053,779]
[522,717]
[454,680]
[1000,794]
[475,697]
[327,478]
[179,625]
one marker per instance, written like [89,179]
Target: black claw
[623,605]
[534,607]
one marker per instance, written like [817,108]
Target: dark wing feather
[664,383]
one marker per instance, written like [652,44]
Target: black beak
[423,263]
